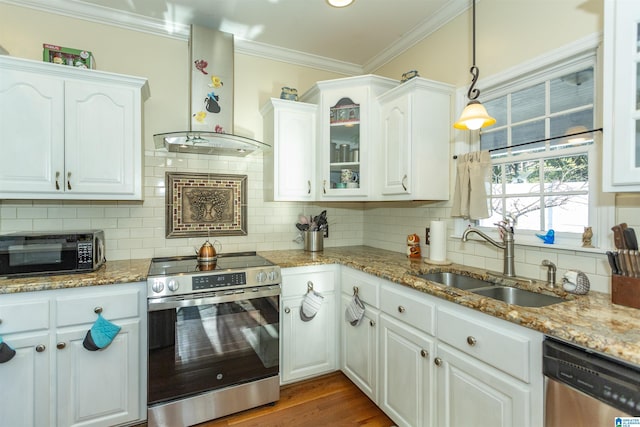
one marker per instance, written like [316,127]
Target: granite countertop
[109,273]
[590,321]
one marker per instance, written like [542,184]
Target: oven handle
[167,303]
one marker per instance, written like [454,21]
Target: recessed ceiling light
[340,3]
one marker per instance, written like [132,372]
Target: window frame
[573,57]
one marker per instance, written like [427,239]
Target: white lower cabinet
[308,348]
[406,373]
[423,360]
[359,343]
[53,380]
[471,393]
[407,346]
[489,371]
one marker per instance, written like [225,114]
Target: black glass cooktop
[170,266]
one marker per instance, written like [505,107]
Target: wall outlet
[427,235]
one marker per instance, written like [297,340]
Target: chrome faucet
[507,245]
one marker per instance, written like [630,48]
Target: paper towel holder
[439,225]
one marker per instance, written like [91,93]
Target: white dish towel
[355,311]
[310,305]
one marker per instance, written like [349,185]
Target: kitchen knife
[612,263]
[635,260]
[618,236]
[627,261]
[630,239]
[621,266]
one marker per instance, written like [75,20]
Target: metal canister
[355,155]
[344,153]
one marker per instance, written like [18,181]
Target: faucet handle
[551,272]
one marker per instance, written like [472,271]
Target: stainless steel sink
[455,280]
[518,296]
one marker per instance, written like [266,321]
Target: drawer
[409,305]
[486,341]
[368,286]
[295,281]
[74,310]
[24,316]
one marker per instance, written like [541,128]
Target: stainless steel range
[213,337]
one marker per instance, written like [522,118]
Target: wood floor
[330,400]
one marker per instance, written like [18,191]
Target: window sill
[531,244]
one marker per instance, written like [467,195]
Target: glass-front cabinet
[346,134]
[621,118]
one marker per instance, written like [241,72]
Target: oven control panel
[212,281]
[162,286]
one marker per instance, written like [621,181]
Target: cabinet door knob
[424,353]
[68,180]
[437,361]
[372,323]
[57,180]
[400,309]
[404,179]
[97,310]
[40,348]
[287,310]
[471,341]
[61,345]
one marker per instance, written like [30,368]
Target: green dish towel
[101,334]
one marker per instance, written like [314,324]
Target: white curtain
[473,186]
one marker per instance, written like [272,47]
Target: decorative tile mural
[201,204]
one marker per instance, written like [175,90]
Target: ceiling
[358,38]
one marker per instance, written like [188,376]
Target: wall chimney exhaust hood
[210,101]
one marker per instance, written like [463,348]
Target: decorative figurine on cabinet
[413,246]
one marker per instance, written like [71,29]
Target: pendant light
[340,3]
[474,116]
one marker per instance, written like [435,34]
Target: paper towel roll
[438,241]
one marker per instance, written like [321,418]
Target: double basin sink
[485,288]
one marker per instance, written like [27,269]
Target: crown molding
[449,11]
[134,22]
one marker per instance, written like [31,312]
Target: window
[542,185]
[544,157]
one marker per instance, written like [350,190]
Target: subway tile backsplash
[137,229]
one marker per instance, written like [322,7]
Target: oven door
[204,342]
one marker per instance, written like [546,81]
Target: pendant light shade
[340,3]
[474,116]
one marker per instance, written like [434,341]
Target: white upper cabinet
[347,135]
[621,120]
[415,135]
[68,133]
[289,166]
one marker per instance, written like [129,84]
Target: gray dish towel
[354,311]
[310,305]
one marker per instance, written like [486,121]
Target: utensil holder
[313,240]
[625,290]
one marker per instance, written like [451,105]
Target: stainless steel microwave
[51,252]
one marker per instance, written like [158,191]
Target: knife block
[625,291]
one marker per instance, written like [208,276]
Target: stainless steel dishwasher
[583,388]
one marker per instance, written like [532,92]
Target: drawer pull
[400,309]
[471,341]
[437,361]
[97,310]
[287,310]
[424,353]
[60,345]
[40,348]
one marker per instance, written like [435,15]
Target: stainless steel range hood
[210,101]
